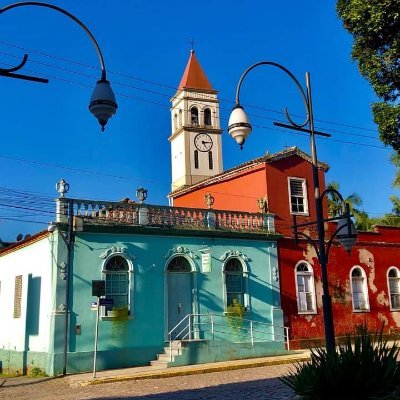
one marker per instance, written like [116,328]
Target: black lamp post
[239,128]
[102,103]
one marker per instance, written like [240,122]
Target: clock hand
[203,142]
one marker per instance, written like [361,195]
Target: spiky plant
[364,367]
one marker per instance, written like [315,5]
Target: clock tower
[196,151]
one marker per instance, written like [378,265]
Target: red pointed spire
[194,76]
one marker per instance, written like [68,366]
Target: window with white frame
[305,288]
[394,288]
[298,196]
[235,283]
[359,289]
[117,277]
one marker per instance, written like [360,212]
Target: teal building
[181,286]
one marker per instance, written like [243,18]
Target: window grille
[305,289]
[359,290]
[234,282]
[394,288]
[298,196]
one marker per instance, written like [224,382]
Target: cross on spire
[192,43]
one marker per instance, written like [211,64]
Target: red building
[365,286]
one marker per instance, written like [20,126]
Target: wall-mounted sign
[98,288]
[106,302]
[206,262]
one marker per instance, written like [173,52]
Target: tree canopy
[375,26]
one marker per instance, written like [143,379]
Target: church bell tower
[196,152]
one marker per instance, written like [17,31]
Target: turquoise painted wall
[145,333]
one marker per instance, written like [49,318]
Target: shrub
[120,317]
[235,313]
[363,368]
[36,372]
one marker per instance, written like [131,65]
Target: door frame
[193,284]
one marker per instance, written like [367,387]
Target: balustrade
[108,212]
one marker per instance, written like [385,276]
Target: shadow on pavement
[271,389]
[25,381]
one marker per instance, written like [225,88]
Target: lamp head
[239,126]
[102,103]
[347,233]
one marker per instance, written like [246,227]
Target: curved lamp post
[240,128]
[102,103]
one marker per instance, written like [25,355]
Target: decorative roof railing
[94,212]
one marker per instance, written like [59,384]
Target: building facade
[175,272]
[364,286]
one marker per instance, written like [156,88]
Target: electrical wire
[222,119]
[166,86]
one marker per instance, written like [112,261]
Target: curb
[195,370]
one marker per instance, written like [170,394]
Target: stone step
[164,357]
[175,351]
[159,364]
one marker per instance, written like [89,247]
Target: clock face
[203,142]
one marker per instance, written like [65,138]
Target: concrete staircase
[164,358]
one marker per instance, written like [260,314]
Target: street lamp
[102,103]
[240,128]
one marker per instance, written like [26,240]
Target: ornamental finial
[62,187]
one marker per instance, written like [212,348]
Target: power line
[23,220]
[164,85]
[254,125]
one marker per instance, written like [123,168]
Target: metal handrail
[171,340]
[192,322]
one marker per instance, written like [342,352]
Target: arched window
[235,283]
[194,116]
[207,117]
[116,271]
[175,121]
[179,264]
[196,159]
[306,303]
[359,289]
[394,288]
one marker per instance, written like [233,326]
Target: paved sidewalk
[138,373]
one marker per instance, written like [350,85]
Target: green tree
[375,26]
[395,159]
[335,207]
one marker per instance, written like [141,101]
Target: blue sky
[146,48]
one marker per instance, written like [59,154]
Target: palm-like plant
[395,159]
[364,367]
[335,205]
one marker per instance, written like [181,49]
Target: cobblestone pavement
[250,384]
